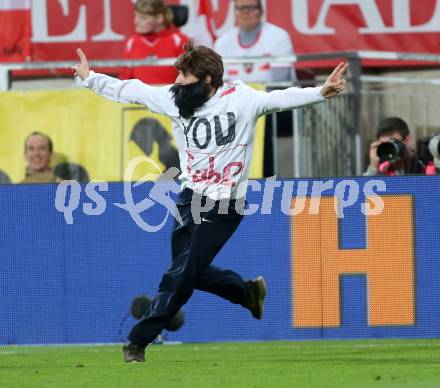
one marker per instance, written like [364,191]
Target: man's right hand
[81,69]
[374,159]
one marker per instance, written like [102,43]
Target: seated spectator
[397,155]
[155,36]
[252,38]
[38,151]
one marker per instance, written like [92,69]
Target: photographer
[429,153]
[392,153]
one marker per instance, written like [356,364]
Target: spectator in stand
[38,151]
[253,37]
[155,36]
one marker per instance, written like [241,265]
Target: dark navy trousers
[194,247]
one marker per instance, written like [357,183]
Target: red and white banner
[100,26]
[15,30]
[202,29]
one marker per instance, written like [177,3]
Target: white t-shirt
[215,146]
[271,41]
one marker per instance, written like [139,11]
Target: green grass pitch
[367,363]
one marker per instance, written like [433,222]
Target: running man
[214,125]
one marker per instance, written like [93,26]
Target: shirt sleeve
[133,91]
[259,103]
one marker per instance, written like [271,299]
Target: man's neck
[248,37]
[39,172]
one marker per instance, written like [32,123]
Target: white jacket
[215,146]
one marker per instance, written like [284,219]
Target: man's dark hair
[392,124]
[201,62]
[155,7]
[36,133]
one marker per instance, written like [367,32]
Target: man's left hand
[335,84]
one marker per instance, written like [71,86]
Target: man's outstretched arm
[279,100]
[128,91]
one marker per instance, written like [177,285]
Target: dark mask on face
[188,98]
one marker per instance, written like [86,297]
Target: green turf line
[368,363]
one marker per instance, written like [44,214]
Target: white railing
[6,68]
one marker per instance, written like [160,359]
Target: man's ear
[208,79]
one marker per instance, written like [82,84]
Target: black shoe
[133,352]
[257,293]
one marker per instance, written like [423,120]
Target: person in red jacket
[155,36]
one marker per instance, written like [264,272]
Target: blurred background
[392,48]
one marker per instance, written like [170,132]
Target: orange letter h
[387,262]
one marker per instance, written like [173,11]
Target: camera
[429,149]
[390,151]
